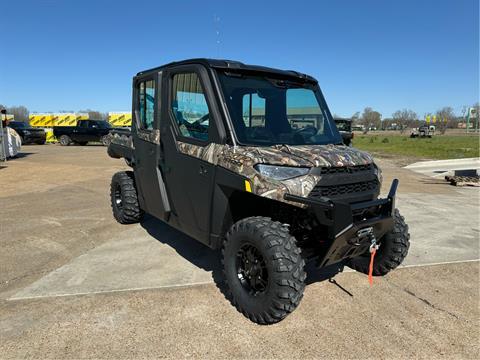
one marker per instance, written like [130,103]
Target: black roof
[233,66]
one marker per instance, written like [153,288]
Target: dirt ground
[55,218]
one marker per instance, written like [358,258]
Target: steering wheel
[261,133]
[197,124]
[309,130]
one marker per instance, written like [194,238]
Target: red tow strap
[373,251]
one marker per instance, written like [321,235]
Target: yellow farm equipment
[120,119]
[41,120]
[65,119]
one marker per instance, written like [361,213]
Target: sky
[389,55]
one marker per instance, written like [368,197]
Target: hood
[307,155]
[31,129]
[242,159]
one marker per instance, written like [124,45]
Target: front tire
[263,268]
[65,140]
[124,198]
[391,253]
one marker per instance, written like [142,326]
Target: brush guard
[351,226]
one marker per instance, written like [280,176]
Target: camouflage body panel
[152,136]
[122,139]
[241,159]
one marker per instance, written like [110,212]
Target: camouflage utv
[247,160]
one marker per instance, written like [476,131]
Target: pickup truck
[84,132]
[28,134]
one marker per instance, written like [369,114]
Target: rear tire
[263,268]
[124,198]
[65,140]
[391,253]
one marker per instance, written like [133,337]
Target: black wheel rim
[252,270]
[117,196]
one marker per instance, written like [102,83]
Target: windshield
[18,125]
[269,111]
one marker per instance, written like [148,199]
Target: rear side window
[189,106]
[146,92]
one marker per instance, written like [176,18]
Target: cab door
[189,126]
[146,140]
[79,132]
[91,132]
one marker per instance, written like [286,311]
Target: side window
[253,110]
[146,98]
[189,106]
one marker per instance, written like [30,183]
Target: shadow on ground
[21,155]
[435,181]
[187,247]
[209,260]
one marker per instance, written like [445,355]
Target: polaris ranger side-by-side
[247,159]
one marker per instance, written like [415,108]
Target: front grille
[343,189]
[346,169]
[347,183]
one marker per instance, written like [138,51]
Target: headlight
[280,172]
[26,132]
[378,173]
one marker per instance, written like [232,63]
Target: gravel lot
[75,284]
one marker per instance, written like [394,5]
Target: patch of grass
[438,147]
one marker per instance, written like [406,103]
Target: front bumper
[345,221]
[34,137]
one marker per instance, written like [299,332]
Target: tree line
[403,119]
[369,119]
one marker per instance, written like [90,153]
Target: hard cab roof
[233,66]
